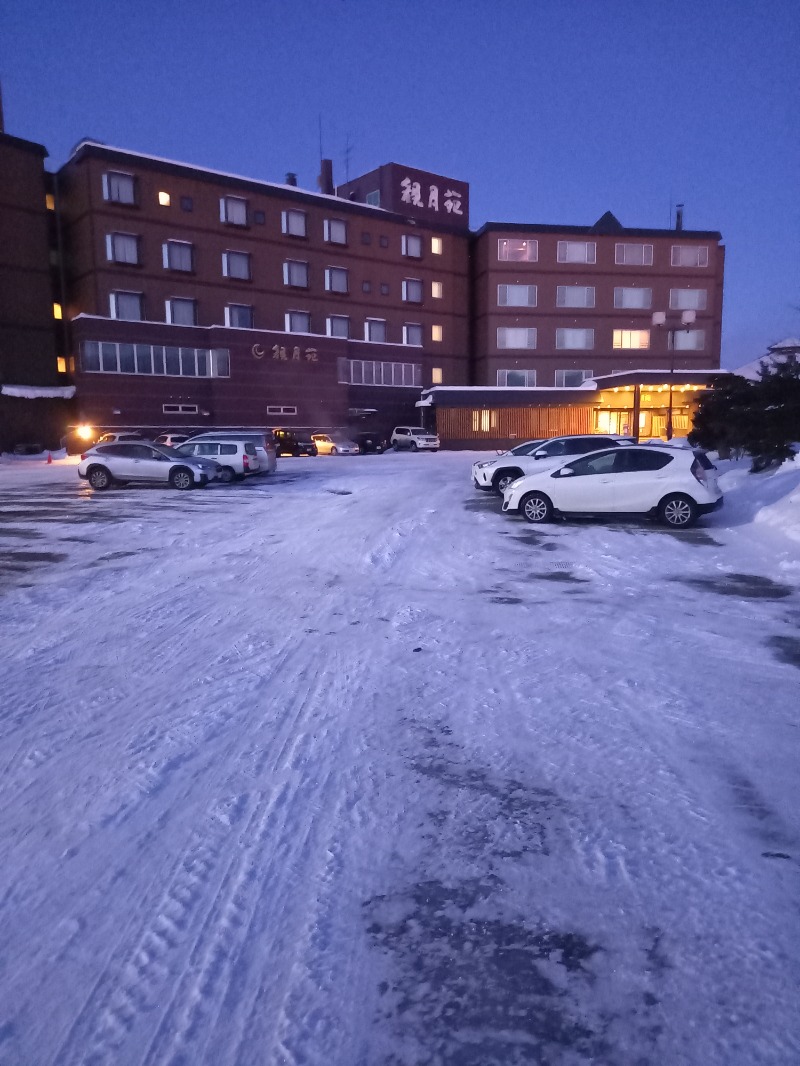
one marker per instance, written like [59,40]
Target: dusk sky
[553,111]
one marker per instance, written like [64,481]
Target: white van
[266,452]
[237,458]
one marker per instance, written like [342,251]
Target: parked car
[116,438]
[414,438]
[334,444]
[293,442]
[371,442]
[265,444]
[172,440]
[32,448]
[104,465]
[496,474]
[236,458]
[675,485]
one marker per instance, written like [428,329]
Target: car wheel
[677,512]
[181,478]
[413,446]
[536,507]
[99,478]
[334,450]
[503,479]
[227,474]
[396,446]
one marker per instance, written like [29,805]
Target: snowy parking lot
[343,767]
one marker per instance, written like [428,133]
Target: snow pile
[37,457]
[782,513]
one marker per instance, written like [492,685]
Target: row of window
[105,357]
[121,188]
[511,250]
[631,297]
[181,311]
[370,372]
[683,340]
[565,379]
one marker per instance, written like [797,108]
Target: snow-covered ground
[346,768]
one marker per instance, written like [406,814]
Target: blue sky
[554,111]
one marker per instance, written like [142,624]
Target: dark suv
[371,442]
[294,442]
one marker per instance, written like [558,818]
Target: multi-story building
[555,305]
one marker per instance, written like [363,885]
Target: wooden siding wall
[509,424]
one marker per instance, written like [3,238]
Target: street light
[687,320]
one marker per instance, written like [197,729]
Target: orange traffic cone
[49,457]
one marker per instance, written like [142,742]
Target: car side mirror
[565,471]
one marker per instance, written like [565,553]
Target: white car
[236,458]
[117,438]
[105,465]
[414,439]
[266,452]
[333,444]
[497,474]
[674,485]
[172,440]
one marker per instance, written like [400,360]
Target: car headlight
[482,466]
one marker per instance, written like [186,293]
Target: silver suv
[496,474]
[413,439]
[105,465]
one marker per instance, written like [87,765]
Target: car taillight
[245,462]
[84,455]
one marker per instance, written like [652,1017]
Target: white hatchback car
[674,485]
[414,439]
[496,474]
[333,444]
[237,458]
[105,465]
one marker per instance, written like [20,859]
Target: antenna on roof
[347,150]
[320,136]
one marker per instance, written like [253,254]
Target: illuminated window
[412,291]
[577,252]
[689,255]
[516,295]
[293,223]
[295,274]
[515,337]
[437,290]
[631,338]
[57,312]
[436,375]
[178,255]
[575,296]
[687,299]
[436,333]
[61,365]
[575,338]
[633,254]
[119,188]
[484,421]
[336,279]
[516,251]
[634,298]
[568,379]
[437,245]
[50,201]
[335,231]
[164,199]
[233,210]
[412,334]
[236,265]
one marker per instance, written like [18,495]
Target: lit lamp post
[660,319]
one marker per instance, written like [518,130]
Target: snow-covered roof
[789,344]
[38,392]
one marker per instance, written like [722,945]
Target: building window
[58,311]
[515,251]
[412,246]
[49,201]
[164,199]
[375,330]
[515,337]
[239,316]
[338,326]
[236,265]
[570,379]
[127,306]
[633,298]
[687,299]
[122,248]
[187,203]
[295,273]
[437,333]
[437,245]
[383,242]
[412,334]
[689,255]
[633,254]
[179,408]
[384,288]
[484,421]
[178,255]
[336,279]
[412,291]
[436,375]
[293,223]
[687,340]
[259,217]
[233,210]
[370,372]
[181,312]
[575,296]
[516,295]
[437,290]
[335,231]
[366,238]
[631,338]
[516,379]
[366,286]
[298,322]
[577,251]
[61,365]
[119,188]
[574,338]
[373,198]
[281,410]
[156,359]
